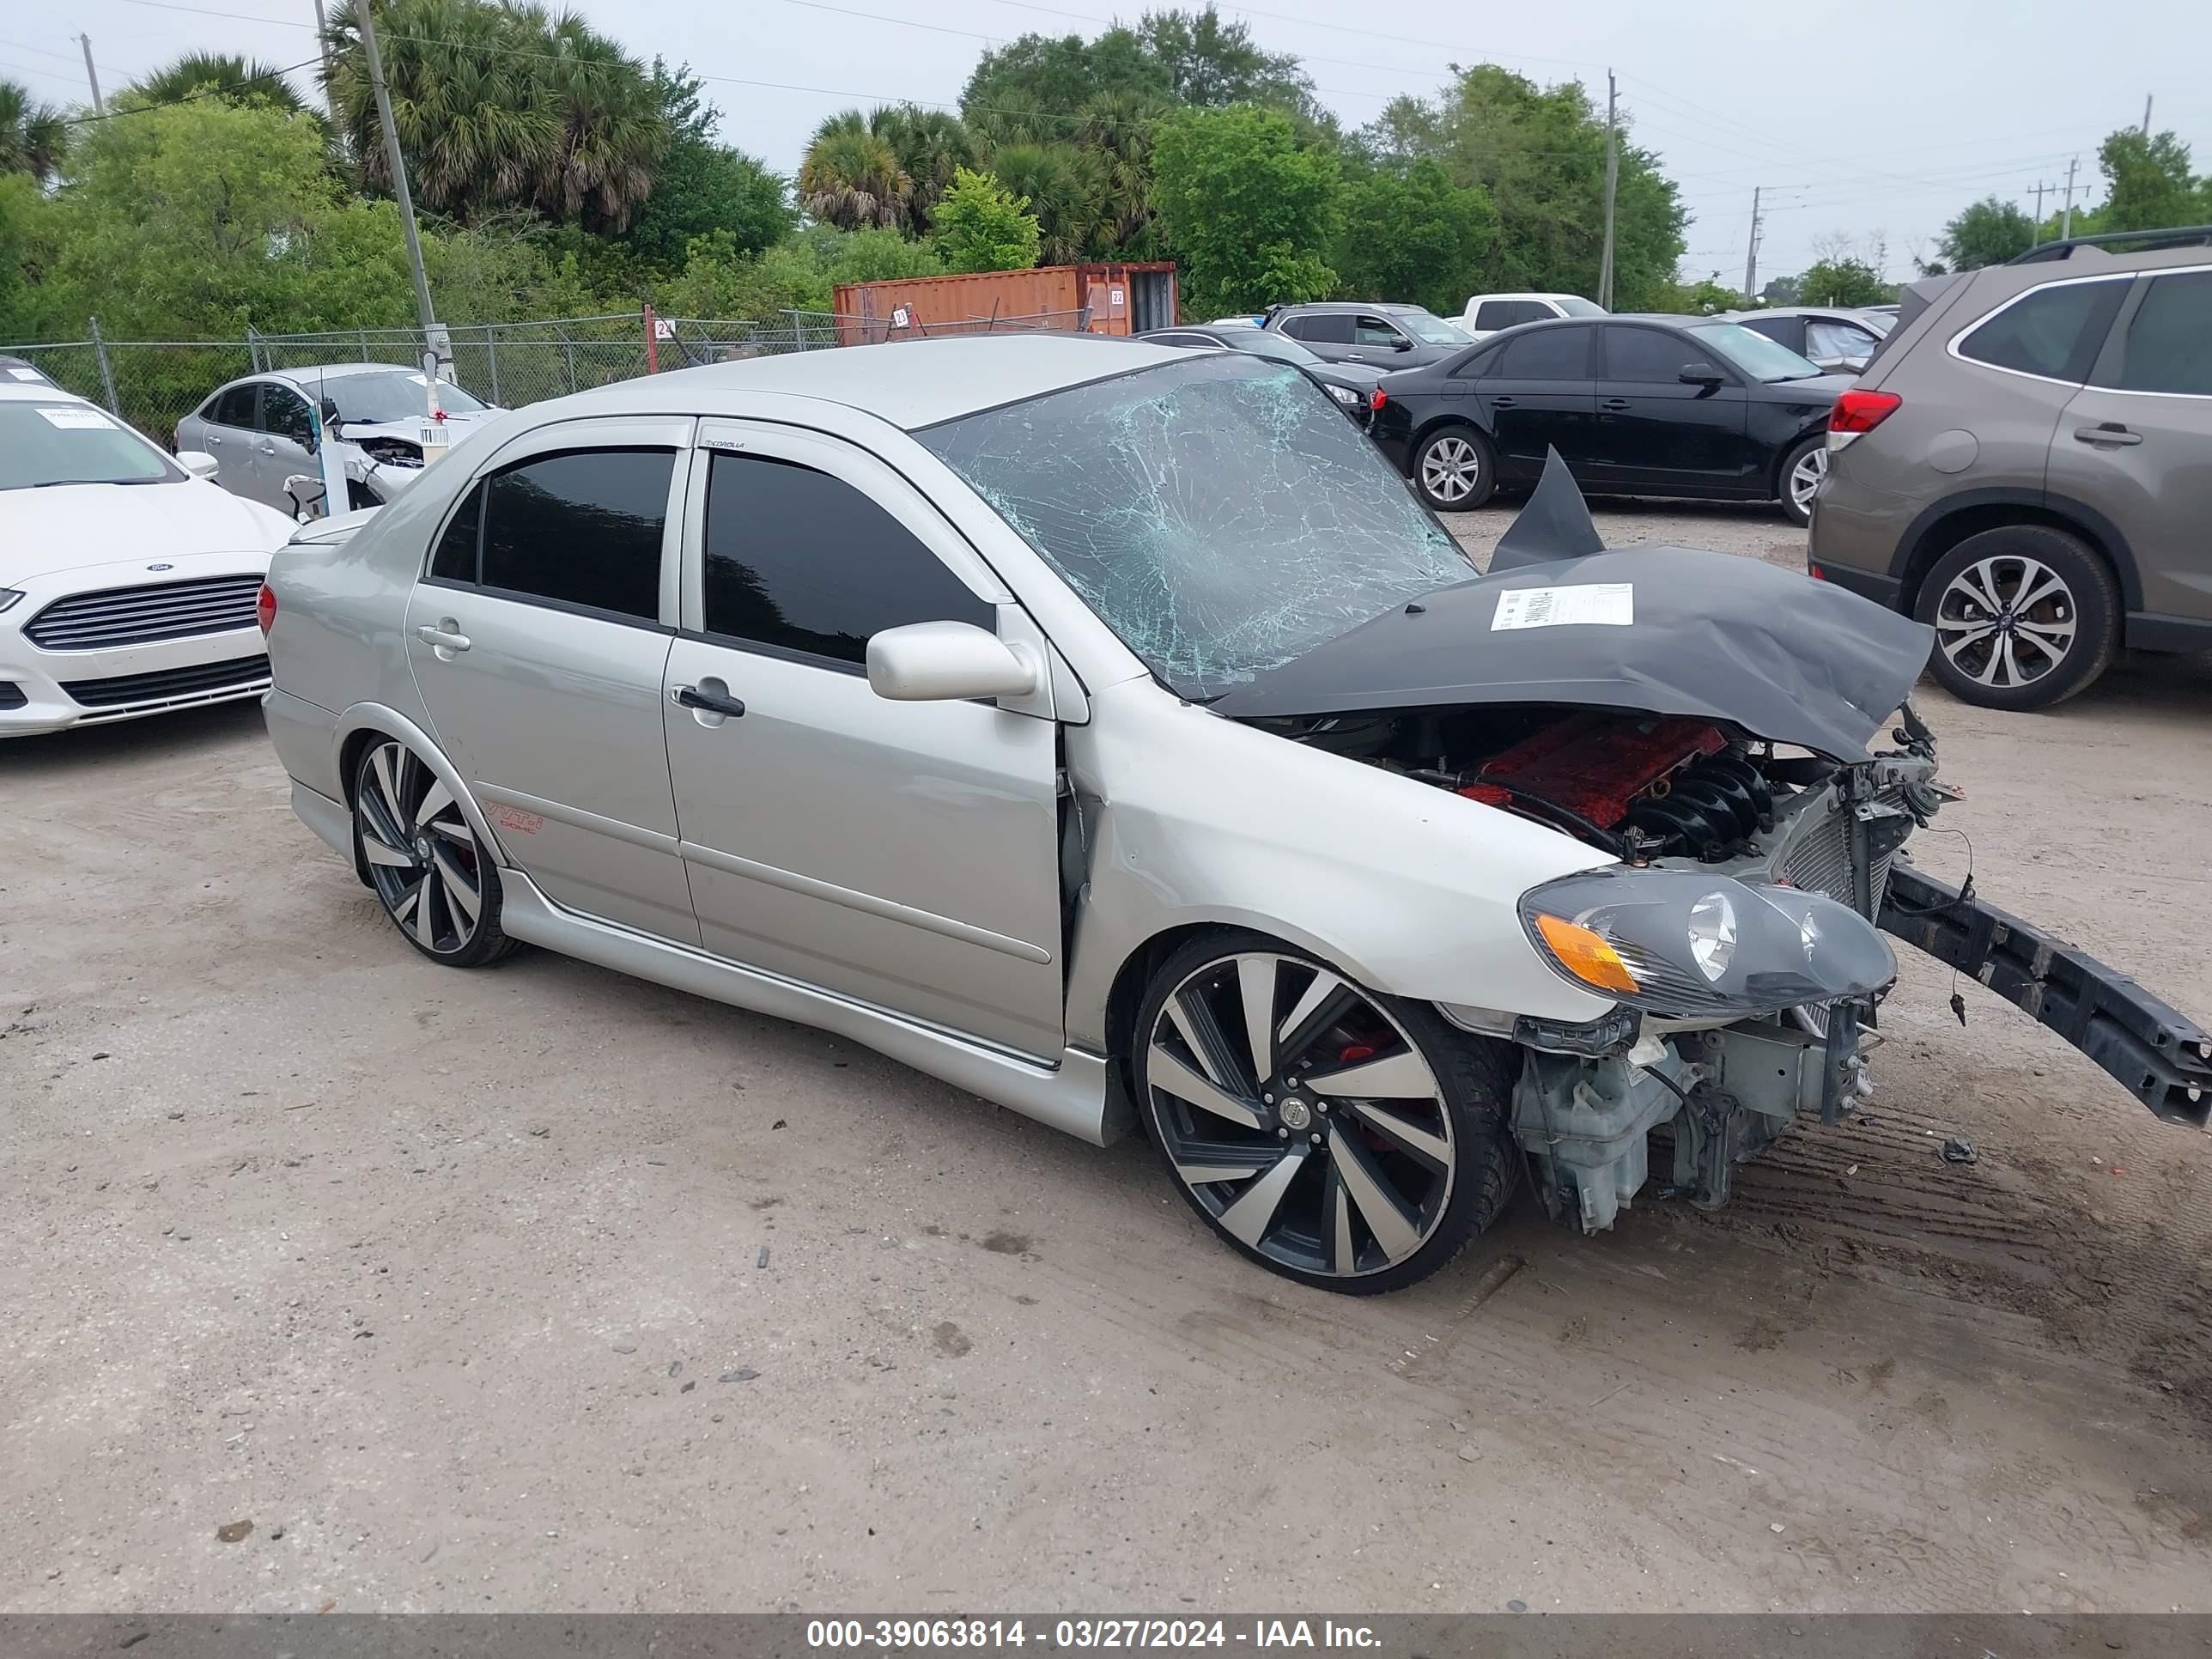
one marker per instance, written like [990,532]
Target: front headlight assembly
[1344,395]
[1681,943]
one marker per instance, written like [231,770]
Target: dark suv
[2027,465]
[1384,337]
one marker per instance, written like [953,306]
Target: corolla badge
[161,567]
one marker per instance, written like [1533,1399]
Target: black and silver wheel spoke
[1300,1114]
[1805,477]
[423,857]
[2006,621]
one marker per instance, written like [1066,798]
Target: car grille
[138,615]
[1820,860]
[168,683]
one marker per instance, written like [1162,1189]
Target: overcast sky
[1875,117]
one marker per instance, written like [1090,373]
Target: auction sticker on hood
[67,418]
[1609,605]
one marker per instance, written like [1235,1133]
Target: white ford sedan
[127,582]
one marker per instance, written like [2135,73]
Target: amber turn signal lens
[1586,954]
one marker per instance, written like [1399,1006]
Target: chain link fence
[154,384]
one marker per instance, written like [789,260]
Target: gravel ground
[340,1280]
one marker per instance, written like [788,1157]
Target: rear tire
[1996,652]
[1358,1153]
[1454,469]
[433,878]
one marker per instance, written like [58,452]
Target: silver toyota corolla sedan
[1104,729]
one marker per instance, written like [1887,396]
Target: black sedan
[1690,407]
[1351,388]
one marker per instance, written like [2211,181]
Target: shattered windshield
[1219,513]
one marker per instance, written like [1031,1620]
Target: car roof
[910,383]
[1353,305]
[1521,294]
[1796,311]
[39,392]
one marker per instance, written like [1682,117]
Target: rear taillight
[1859,411]
[265,607]
[1375,402]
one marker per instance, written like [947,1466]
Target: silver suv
[2027,465]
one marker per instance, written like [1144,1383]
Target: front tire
[2025,616]
[1454,469]
[1803,469]
[433,878]
[1351,1141]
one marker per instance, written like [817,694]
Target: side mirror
[198,463]
[1401,343]
[1700,374]
[947,662]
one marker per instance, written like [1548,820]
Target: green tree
[31,135]
[700,185]
[1066,188]
[1540,154]
[2149,183]
[1250,214]
[500,104]
[232,76]
[983,226]
[801,273]
[1702,299]
[933,147]
[1843,282]
[1989,232]
[851,176]
[1411,233]
[1211,63]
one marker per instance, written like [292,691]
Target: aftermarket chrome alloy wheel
[424,860]
[1451,469]
[2005,622]
[1313,1124]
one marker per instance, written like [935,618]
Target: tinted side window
[1479,362]
[1330,328]
[455,556]
[285,415]
[1650,355]
[235,407]
[2054,331]
[1783,330]
[1497,314]
[580,528]
[1373,330]
[803,561]
[2169,343]
[1548,354]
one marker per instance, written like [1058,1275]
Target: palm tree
[1067,188]
[236,78]
[501,106]
[851,177]
[932,147]
[31,135]
[1117,125]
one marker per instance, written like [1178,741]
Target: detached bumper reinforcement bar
[2161,1057]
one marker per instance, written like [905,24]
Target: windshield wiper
[49,484]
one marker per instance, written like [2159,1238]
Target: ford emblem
[161,567]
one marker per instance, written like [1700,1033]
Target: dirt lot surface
[543,1288]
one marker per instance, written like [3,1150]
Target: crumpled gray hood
[1708,635]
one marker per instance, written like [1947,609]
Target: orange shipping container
[1101,299]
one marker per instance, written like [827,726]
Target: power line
[186,98]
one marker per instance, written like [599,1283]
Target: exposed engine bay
[1668,792]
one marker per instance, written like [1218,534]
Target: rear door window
[1829,339]
[1329,328]
[1548,354]
[2168,345]
[2055,333]
[580,529]
[235,407]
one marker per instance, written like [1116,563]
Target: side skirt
[1070,1096]
[2159,1054]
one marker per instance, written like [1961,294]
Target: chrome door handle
[1614,405]
[268,448]
[442,635]
[711,703]
[1503,403]
[2110,432]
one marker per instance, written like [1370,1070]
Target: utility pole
[1751,258]
[2066,222]
[1612,177]
[2036,235]
[92,74]
[2146,126]
[397,163]
[322,44]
